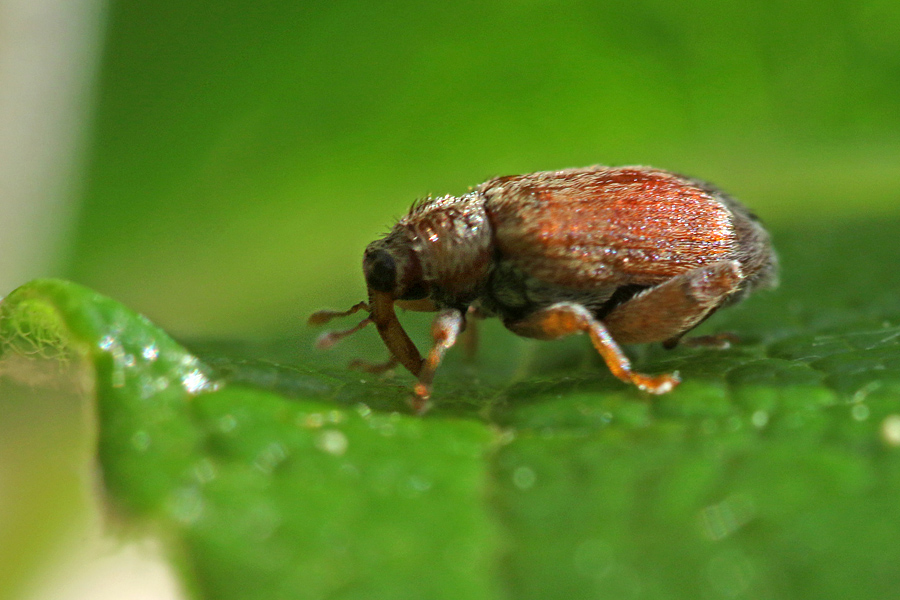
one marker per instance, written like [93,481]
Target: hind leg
[567,318]
[666,312]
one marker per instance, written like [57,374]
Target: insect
[628,255]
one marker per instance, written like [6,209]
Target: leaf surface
[274,472]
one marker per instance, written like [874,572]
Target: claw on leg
[330,338]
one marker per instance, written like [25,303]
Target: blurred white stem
[49,51]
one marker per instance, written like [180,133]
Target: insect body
[627,255]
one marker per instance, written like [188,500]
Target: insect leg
[445,329]
[323,316]
[392,332]
[566,318]
[669,310]
[330,338]
[470,333]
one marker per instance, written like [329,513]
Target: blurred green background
[240,155]
[232,159]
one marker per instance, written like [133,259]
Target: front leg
[444,330]
[567,318]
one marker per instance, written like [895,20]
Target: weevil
[628,255]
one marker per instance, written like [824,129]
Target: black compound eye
[381,271]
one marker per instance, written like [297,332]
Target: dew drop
[195,381]
[860,412]
[106,342]
[863,392]
[385,425]
[264,522]
[720,520]
[350,470]
[204,471]
[313,420]
[150,352]
[186,505]
[524,478]
[415,486]
[730,574]
[141,441]
[227,423]
[507,436]
[890,430]
[332,441]
[272,456]
[148,387]
[760,419]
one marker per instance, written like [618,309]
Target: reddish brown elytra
[628,255]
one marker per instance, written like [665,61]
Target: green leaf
[271,471]
[260,496]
